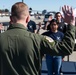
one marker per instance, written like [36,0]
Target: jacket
[21,51]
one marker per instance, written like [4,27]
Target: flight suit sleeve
[65,47]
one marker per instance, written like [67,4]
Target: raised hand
[68,15]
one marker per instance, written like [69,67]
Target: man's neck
[23,23]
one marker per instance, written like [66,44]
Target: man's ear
[28,19]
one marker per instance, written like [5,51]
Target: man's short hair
[57,13]
[19,9]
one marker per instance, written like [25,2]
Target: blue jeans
[53,64]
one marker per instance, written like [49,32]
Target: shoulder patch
[49,39]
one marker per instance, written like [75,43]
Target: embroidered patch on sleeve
[49,39]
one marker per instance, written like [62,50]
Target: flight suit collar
[17,25]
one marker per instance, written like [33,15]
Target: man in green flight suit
[21,51]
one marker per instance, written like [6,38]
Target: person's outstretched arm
[66,46]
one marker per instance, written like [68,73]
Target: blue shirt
[31,26]
[55,36]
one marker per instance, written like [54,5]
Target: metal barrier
[68,67]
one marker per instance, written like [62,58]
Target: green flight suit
[21,51]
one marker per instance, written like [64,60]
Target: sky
[49,5]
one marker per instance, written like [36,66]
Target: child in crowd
[53,62]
